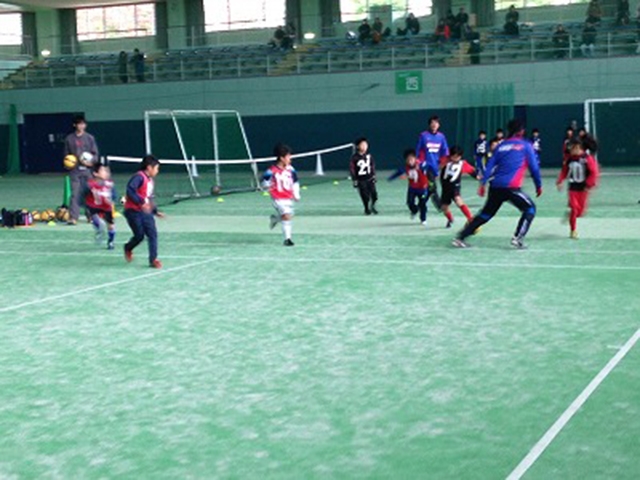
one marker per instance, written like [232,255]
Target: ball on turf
[336,182]
[215,190]
[220,199]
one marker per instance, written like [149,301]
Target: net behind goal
[614,123]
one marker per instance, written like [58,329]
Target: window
[11,29]
[116,22]
[235,15]
[356,10]
[504,4]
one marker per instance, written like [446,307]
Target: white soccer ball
[87,157]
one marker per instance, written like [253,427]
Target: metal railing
[337,56]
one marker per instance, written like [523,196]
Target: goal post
[192,135]
[613,122]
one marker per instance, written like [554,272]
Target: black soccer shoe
[374,211]
[288,243]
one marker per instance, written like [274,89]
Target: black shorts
[106,215]
[449,192]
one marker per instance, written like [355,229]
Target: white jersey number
[284,181]
[453,171]
[577,172]
[364,166]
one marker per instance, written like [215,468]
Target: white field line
[566,416]
[333,247]
[105,285]
[227,258]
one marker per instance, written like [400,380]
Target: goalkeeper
[83,146]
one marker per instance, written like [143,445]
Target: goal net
[613,122]
[206,152]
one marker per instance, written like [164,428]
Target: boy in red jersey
[281,180]
[99,202]
[418,184]
[582,171]
[451,179]
[140,209]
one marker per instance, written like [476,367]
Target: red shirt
[100,194]
[281,182]
[583,172]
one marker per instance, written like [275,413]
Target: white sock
[286,229]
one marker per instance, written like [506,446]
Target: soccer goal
[614,123]
[192,135]
[206,152]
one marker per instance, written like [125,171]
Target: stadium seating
[325,56]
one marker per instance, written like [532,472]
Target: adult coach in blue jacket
[505,173]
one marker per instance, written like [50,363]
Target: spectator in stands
[460,25]
[289,39]
[379,32]
[378,26]
[475,49]
[123,67]
[511,22]
[561,42]
[364,31]
[450,18]
[443,32]
[292,31]
[623,15]
[589,34]
[512,15]
[594,12]
[138,64]
[278,37]
[412,26]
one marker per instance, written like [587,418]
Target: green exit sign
[408,82]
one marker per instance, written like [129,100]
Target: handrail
[213,63]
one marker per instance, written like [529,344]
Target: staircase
[12,73]
[289,63]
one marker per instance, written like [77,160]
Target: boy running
[363,175]
[505,172]
[418,190]
[451,179]
[281,180]
[99,202]
[140,209]
[582,171]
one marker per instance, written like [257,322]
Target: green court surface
[372,349]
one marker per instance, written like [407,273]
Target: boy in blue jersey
[480,150]
[505,173]
[433,149]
